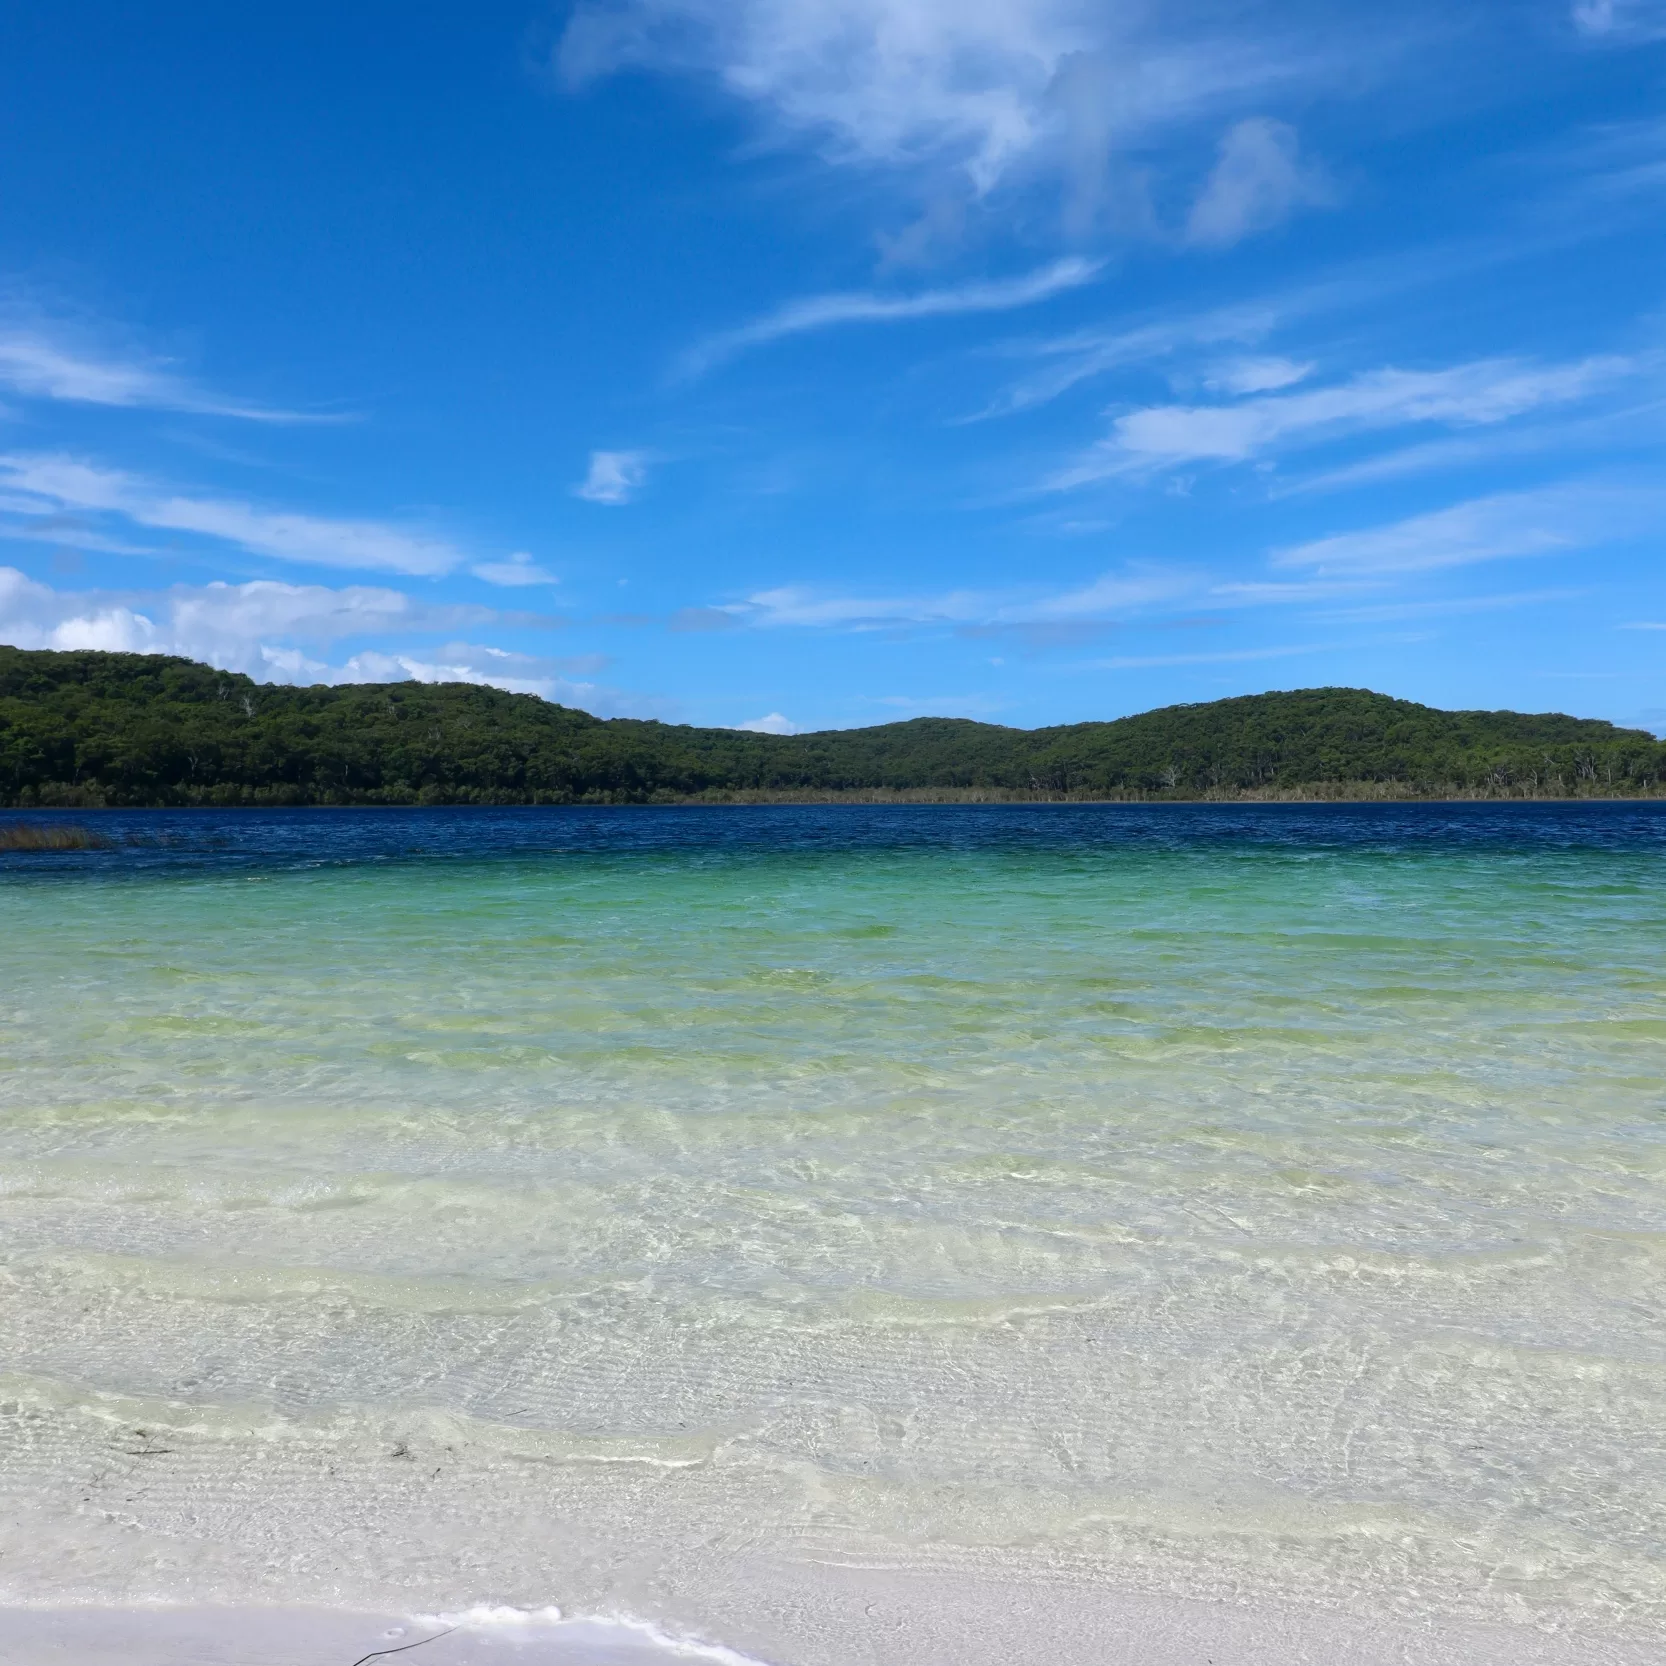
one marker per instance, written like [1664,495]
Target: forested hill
[94,729]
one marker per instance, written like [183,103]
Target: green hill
[93,729]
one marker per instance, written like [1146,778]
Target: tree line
[90,730]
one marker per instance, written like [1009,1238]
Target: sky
[798,364]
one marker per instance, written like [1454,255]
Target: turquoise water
[564,1207]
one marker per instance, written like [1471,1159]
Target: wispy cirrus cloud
[1201,347]
[1550,520]
[1476,394]
[822,312]
[886,81]
[969,96]
[1442,607]
[1266,373]
[1099,600]
[1615,428]
[981,86]
[1063,362]
[52,484]
[799,605]
[40,362]
[1229,656]
[514,571]
[1250,593]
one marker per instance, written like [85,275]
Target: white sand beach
[810,1616]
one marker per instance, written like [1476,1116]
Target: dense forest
[88,730]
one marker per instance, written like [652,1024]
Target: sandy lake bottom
[837,1236]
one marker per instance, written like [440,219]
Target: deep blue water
[144,840]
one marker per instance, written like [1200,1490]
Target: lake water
[410,1210]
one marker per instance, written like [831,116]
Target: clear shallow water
[575,1206]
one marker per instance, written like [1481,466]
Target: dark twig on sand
[376,1654]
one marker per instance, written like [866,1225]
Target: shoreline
[906,798]
[248,1635]
[813,1615]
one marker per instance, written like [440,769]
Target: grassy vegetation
[90,729]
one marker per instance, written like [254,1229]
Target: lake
[640,1210]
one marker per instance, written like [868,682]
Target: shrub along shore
[89,730]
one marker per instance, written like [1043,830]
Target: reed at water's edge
[35,835]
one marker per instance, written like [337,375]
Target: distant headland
[87,730]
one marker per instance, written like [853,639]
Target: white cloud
[1548,521]
[1256,375]
[306,538]
[215,619]
[549,679]
[566,665]
[1484,391]
[1444,607]
[60,483]
[234,626]
[1620,19]
[798,605]
[1624,427]
[40,363]
[820,312]
[1071,359]
[1191,342]
[265,630]
[773,724]
[519,569]
[1259,179]
[33,615]
[1134,588]
[114,630]
[209,621]
[463,663]
[615,477]
[988,89]
[71,532]
[1615,160]
[1114,593]
[889,81]
[983,87]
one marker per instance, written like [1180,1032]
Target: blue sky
[811,363]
